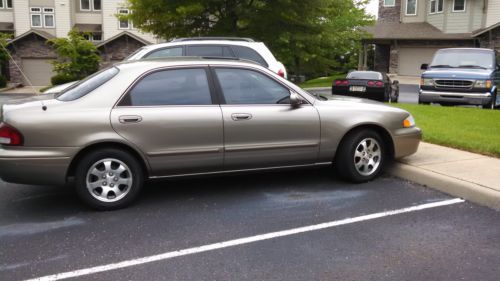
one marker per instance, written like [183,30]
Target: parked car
[184,117]
[232,47]
[461,76]
[367,84]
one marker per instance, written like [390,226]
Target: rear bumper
[378,94]
[406,141]
[454,97]
[46,166]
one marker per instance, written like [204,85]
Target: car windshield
[87,85]
[466,58]
[364,75]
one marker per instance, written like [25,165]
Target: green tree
[308,36]
[77,58]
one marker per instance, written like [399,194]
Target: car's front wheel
[360,156]
[108,179]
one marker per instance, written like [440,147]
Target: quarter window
[171,87]
[249,54]
[389,3]
[459,5]
[243,86]
[163,53]
[411,7]
[209,51]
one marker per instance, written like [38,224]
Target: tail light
[375,84]
[281,73]
[10,135]
[341,82]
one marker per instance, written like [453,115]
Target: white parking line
[241,241]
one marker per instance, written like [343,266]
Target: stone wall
[30,47]
[382,55]
[118,50]
[389,14]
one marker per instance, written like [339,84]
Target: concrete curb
[473,192]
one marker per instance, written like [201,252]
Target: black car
[367,84]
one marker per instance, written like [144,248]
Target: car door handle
[241,116]
[130,119]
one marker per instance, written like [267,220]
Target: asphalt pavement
[381,230]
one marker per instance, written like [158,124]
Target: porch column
[365,57]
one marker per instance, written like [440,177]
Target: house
[32,22]
[409,32]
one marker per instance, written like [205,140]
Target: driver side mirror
[424,66]
[295,100]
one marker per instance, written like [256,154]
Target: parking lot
[299,225]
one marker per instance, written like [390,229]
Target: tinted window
[209,51]
[364,75]
[249,54]
[171,87]
[163,53]
[87,85]
[241,86]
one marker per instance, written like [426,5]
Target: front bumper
[406,141]
[458,98]
[37,166]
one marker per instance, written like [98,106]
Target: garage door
[410,60]
[38,71]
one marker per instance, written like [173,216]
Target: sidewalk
[467,175]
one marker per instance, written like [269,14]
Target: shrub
[62,78]
[3,81]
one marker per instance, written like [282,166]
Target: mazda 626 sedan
[191,116]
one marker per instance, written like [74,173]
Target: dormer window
[459,5]
[411,7]
[389,3]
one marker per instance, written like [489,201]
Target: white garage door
[38,71]
[410,60]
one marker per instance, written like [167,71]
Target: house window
[459,5]
[124,24]
[411,7]
[42,17]
[389,3]
[6,4]
[436,6]
[90,5]
[92,37]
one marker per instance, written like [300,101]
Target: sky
[372,7]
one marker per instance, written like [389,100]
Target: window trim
[11,4]
[86,10]
[35,13]
[436,7]
[210,80]
[53,21]
[416,8]
[393,5]
[460,11]
[42,13]
[93,6]
[129,23]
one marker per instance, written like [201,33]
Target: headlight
[409,122]
[426,82]
[482,84]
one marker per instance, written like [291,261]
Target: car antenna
[44,107]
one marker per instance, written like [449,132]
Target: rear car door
[261,128]
[171,115]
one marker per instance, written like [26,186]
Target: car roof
[466,49]
[178,61]
[201,42]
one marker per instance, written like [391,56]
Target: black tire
[345,160]
[133,172]
[491,105]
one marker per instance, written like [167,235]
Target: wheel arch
[107,144]
[383,132]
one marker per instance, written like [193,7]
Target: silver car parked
[191,116]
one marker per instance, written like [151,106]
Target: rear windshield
[87,85]
[467,58]
[364,75]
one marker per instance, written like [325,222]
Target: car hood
[454,73]
[353,102]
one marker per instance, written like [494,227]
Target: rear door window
[209,51]
[249,54]
[171,87]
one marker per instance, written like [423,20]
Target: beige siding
[110,22]
[421,11]
[63,18]
[41,3]
[6,16]
[21,16]
[436,20]
[88,18]
[477,15]
[457,22]
[493,15]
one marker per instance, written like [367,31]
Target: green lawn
[322,81]
[472,129]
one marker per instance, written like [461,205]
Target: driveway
[301,225]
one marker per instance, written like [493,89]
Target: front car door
[171,115]
[261,128]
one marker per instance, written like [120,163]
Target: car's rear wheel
[108,179]
[492,104]
[360,156]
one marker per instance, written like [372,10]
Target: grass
[322,81]
[472,129]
